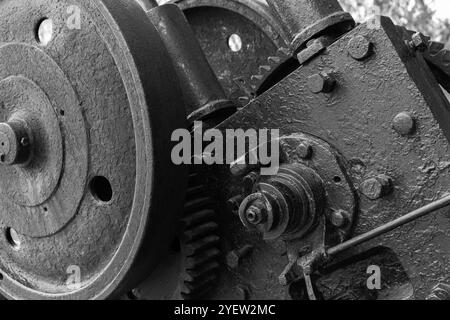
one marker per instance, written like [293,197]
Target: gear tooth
[274,60]
[191,291]
[200,231]
[197,204]
[202,244]
[245,100]
[264,69]
[198,217]
[257,77]
[194,191]
[196,275]
[284,51]
[198,260]
[199,242]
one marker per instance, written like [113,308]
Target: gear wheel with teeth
[191,268]
[199,243]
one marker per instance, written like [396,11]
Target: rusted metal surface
[86,118]
[100,114]
[358,119]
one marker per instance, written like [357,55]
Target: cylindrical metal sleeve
[307,18]
[202,91]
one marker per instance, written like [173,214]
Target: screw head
[234,257]
[375,188]
[404,123]
[321,82]
[233,260]
[339,218]
[359,48]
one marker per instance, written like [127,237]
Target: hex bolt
[304,150]
[339,218]
[359,48]
[321,82]
[376,188]
[234,257]
[234,203]
[404,123]
[418,42]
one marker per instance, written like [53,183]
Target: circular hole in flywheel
[12,237]
[337,179]
[44,31]
[101,189]
[235,42]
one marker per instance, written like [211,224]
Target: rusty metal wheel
[88,102]
[237,36]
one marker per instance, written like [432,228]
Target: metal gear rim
[257,13]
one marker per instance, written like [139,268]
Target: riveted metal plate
[356,119]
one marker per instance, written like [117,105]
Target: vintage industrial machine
[93,205]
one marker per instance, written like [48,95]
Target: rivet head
[321,82]
[359,48]
[404,123]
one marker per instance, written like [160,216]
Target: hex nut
[321,82]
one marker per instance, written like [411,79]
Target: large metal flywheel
[88,103]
